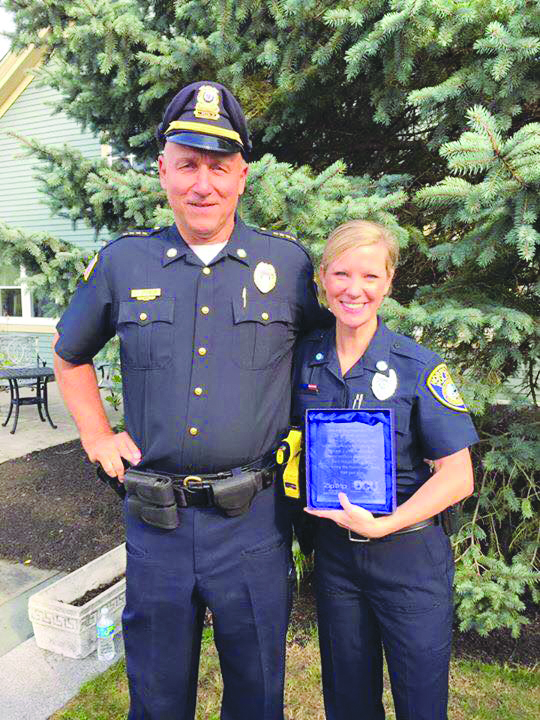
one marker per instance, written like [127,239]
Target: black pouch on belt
[150,497]
[234,495]
[450,520]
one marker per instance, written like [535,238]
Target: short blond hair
[356,233]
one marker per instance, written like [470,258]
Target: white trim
[19,324]
[26,296]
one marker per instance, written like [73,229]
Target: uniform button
[206,271]
[172,252]
[193,431]
[205,310]
[241,253]
[143,316]
[202,351]
[265,316]
[197,391]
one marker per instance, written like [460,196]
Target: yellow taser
[288,455]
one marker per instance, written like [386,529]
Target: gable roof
[16,73]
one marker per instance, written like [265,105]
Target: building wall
[21,202]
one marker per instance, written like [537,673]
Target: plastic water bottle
[105,635]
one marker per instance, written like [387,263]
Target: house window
[15,298]
[10,302]
[10,292]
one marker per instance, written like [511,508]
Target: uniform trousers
[393,594]
[240,568]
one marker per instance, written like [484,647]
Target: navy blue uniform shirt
[427,425]
[206,362]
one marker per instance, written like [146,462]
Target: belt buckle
[357,539]
[195,479]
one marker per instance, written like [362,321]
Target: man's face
[203,190]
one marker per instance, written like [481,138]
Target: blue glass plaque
[351,451]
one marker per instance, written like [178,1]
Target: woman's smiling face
[356,283]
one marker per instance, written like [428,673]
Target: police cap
[207,116]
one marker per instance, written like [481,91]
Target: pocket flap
[262,311]
[143,313]
[402,420]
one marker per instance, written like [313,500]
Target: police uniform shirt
[427,426]
[205,351]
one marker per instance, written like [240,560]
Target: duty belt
[154,496]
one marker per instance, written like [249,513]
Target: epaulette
[141,233]
[406,346]
[276,233]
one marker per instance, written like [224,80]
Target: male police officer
[207,311]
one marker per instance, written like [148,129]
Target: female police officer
[384,582]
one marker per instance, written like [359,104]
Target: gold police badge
[265,277]
[207,105]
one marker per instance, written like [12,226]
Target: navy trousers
[393,594]
[240,568]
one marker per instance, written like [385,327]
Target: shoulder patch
[443,389]
[90,268]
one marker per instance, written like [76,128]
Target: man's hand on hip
[109,449]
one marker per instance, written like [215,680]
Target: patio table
[14,375]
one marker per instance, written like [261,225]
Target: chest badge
[265,277]
[384,386]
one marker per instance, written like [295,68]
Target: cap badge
[265,277]
[384,386]
[207,106]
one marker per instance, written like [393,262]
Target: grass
[477,691]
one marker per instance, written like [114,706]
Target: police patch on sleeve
[90,267]
[442,387]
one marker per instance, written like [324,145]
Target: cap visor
[204,142]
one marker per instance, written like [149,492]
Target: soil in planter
[94,592]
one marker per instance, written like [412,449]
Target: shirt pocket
[146,333]
[263,332]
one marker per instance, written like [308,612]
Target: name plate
[351,451]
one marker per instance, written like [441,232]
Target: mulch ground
[56,514]
[54,511]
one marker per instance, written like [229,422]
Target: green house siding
[21,202]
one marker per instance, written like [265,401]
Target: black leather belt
[154,496]
[354,537]
[199,490]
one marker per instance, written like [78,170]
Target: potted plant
[64,614]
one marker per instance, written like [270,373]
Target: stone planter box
[70,630]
